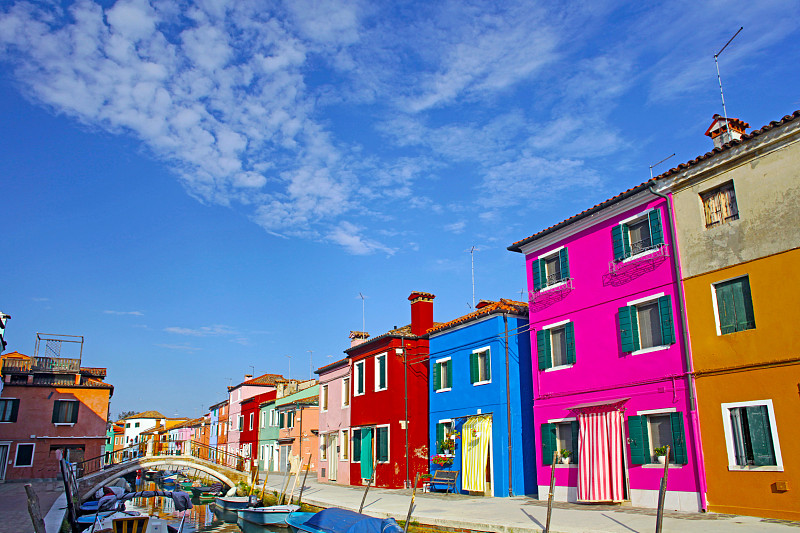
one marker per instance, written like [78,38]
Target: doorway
[4,447]
[333,463]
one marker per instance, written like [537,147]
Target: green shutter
[628,329]
[356,445]
[449,374]
[487,360]
[14,410]
[725,308]
[382,370]
[383,444]
[56,405]
[743,302]
[760,435]
[563,259]
[439,435]
[667,327]
[437,376]
[616,240]
[543,349]
[366,453]
[75,406]
[569,333]
[536,274]
[549,443]
[656,231]
[678,439]
[626,240]
[543,272]
[575,431]
[360,373]
[473,367]
[281,419]
[639,440]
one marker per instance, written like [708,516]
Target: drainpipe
[405,369]
[687,359]
[508,409]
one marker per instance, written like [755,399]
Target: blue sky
[202,189]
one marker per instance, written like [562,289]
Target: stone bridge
[88,484]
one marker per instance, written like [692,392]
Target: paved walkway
[522,514]
[14,517]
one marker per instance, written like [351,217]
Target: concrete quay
[522,514]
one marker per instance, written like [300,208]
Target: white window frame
[323,398]
[346,391]
[344,447]
[70,424]
[352,440]
[252,417]
[635,218]
[439,362]
[385,357]
[646,300]
[548,255]
[388,443]
[16,454]
[479,351]
[359,368]
[773,427]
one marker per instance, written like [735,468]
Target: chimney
[421,312]
[719,131]
[483,303]
[357,337]
[248,377]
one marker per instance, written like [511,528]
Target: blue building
[481,398]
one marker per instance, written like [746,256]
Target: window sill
[381,390]
[559,367]
[448,389]
[641,254]
[737,468]
[659,465]
[481,383]
[562,465]
[651,349]
[70,424]
[555,285]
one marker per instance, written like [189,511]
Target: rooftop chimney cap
[483,303]
[248,376]
[419,295]
[359,334]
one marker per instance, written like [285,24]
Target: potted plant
[565,456]
[442,460]
[661,453]
[447,446]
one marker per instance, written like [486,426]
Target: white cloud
[456,227]
[349,236]
[131,313]
[179,347]
[204,331]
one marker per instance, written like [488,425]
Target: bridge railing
[108,459]
[218,456]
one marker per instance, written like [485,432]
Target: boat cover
[335,520]
[182,500]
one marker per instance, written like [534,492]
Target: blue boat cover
[335,520]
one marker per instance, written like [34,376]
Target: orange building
[298,434]
[738,226]
[50,407]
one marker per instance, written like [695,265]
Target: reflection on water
[201,518]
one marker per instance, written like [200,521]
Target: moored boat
[273,515]
[337,520]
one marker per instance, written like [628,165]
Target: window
[359,369]
[557,436]
[345,445]
[252,415]
[646,324]
[356,445]
[380,372]
[443,431]
[555,345]
[9,409]
[65,411]
[382,444]
[323,398]
[136,425]
[281,420]
[323,448]
[734,306]
[550,269]
[480,368]
[290,419]
[273,417]
[128,425]
[719,205]
[637,235]
[24,455]
[345,392]
[240,422]
[442,375]
[751,435]
[649,431]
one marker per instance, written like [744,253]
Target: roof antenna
[363,314]
[472,260]
[719,79]
[656,164]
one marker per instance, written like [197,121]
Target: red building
[248,438]
[389,391]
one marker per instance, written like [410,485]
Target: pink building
[334,422]
[610,366]
[236,395]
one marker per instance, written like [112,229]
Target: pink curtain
[600,465]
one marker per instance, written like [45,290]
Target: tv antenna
[310,364]
[363,313]
[656,164]
[472,260]
[719,79]
[290,366]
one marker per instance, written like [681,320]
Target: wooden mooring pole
[662,494]
[34,509]
[552,491]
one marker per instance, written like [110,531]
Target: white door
[333,457]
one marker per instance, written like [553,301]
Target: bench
[444,477]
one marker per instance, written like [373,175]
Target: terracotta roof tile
[146,414]
[264,379]
[633,190]
[331,366]
[488,308]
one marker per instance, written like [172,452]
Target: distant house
[50,407]
[389,395]
[481,410]
[268,449]
[214,428]
[298,423]
[249,436]
[137,423]
[236,395]
[334,419]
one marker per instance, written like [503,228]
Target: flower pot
[662,459]
[565,460]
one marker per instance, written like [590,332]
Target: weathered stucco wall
[766,177]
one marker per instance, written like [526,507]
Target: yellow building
[737,212]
